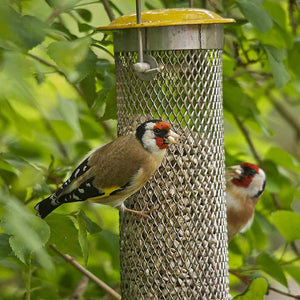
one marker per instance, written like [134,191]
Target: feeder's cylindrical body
[180,252]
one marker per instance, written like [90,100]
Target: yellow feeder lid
[167,17]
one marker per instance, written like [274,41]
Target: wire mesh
[180,252]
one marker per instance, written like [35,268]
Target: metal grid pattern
[180,252]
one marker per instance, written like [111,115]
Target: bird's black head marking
[249,172]
[140,131]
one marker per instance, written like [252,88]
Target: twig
[42,61]
[108,10]
[245,71]
[292,17]
[87,3]
[295,248]
[284,293]
[215,6]
[248,139]
[286,115]
[283,263]
[80,288]
[74,17]
[103,49]
[244,278]
[56,12]
[87,273]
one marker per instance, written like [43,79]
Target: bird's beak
[234,171]
[172,137]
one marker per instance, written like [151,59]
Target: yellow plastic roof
[167,17]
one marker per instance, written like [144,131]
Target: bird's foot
[143,212]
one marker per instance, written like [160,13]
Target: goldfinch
[113,172]
[245,183]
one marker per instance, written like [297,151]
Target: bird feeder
[169,66]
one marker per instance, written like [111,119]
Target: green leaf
[18,31]
[82,235]
[5,249]
[277,12]
[276,37]
[109,242]
[88,87]
[34,31]
[21,251]
[8,167]
[88,66]
[233,94]
[28,232]
[283,158]
[64,234]
[59,28]
[294,271]
[90,225]
[255,14]
[69,111]
[83,27]
[85,225]
[64,5]
[271,267]
[274,179]
[257,289]
[256,235]
[294,59]
[275,57]
[85,14]
[288,224]
[111,105]
[69,54]
[236,101]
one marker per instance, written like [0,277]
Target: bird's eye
[156,130]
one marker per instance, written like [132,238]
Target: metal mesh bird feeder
[170,67]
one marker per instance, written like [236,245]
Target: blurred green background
[57,102]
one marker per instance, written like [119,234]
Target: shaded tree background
[57,101]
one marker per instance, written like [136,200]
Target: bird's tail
[46,206]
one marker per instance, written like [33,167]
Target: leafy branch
[246,134]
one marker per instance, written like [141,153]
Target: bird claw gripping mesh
[180,252]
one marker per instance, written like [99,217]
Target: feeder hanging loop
[142,67]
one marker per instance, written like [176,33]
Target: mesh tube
[180,252]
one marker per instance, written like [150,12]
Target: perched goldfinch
[245,185]
[113,172]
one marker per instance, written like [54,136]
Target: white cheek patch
[257,185]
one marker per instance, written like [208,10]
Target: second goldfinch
[113,172]
[245,185]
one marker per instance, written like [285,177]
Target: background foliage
[57,101]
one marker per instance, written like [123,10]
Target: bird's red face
[162,131]
[244,174]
